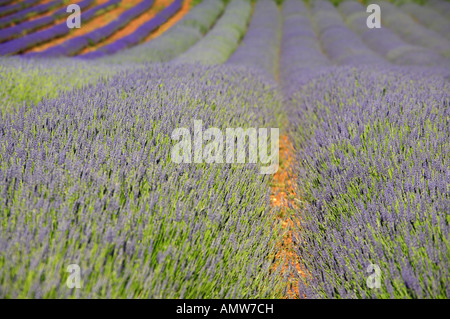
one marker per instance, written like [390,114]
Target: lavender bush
[385,42]
[23,14]
[341,44]
[411,31]
[9,9]
[429,18]
[217,46]
[30,40]
[301,57]
[76,44]
[92,184]
[28,26]
[260,47]
[373,177]
[189,30]
[139,34]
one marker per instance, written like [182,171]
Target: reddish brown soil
[282,196]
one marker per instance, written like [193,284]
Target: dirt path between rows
[283,196]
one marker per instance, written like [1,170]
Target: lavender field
[88,175]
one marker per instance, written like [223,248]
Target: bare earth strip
[282,197]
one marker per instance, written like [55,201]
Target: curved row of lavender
[87,179]
[223,39]
[414,33]
[139,34]
[440,6]
[259,48]
[341,44]
[387,43]
[301,57]
[48,77]
[77,44]
[30,25]
[188,31]
[429,18]
[32,39]
[372,165]
[26,13]
[373,172]
[12,8]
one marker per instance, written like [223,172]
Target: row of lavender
[218,44]
[88,179]
[32,39]
[26,27]
[301,56]
[12,8]
[373,176]
[386,42]
[259,48]
[140,34]
[29,80]
[27,13]
[428,17]
[413,32]
[371,166]
[340,44]
[188,31]
[76,44]
[328,19]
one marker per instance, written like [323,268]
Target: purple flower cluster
[140,34]
[28,41]
[28,26]
[87,179]
[23,14]
[341,44]
[373,172]
[259,48]
[75,45]
[385,42]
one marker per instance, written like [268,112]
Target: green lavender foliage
[373,177]
[87,178]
